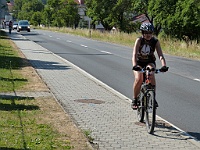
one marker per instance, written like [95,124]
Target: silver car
[23,25]
[15,24]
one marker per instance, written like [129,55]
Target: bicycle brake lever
[157,71]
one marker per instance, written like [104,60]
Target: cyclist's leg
[136,87]
[137,83]
[152,79]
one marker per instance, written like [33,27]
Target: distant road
[178,91]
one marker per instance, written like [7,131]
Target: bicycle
[146,100]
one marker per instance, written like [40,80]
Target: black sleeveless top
[147,49]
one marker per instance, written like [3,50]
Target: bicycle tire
[140,109]
[150,112]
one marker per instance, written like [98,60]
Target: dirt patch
[54,115]
[35,83]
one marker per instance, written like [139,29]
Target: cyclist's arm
[135,51]
[160,54]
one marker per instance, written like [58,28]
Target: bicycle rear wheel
[150,112]
[140,109]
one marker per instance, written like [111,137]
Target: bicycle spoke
[140,110]
[150,112]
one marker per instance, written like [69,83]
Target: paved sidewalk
[96,107]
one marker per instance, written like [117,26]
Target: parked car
[15,24]
[23,25]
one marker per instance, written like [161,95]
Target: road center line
[106,52]
[197,80]
[83,45]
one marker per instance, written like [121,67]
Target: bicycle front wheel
[150,112]
[140,109]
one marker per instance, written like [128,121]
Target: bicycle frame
[146,99]
[146,106]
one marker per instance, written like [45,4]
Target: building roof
[140,18]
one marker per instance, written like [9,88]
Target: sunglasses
[145,32]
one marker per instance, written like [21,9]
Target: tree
[99,11]
[64,12]
[190,15]
[70,13]
[23,9]
[111,13]
[47,15]
[36,18]
[160,11]
[122,14]
[55,12]
[178,18]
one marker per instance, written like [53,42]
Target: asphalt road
[178,90]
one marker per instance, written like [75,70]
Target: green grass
[10,65]
[88,135]
[170,46]
[19,127]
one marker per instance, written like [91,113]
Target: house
[140,18]
[5,9]
[10,6]
[85,20]
[81,7]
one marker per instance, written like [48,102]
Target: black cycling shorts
[144,64]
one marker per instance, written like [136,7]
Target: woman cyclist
[143,56]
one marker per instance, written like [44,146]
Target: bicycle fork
[143,98]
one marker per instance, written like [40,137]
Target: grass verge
[10,62]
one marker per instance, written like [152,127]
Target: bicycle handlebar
[142,70]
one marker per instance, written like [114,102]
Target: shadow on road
[171,132]
[195,134]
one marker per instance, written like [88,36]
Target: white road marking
[83,45]
[69,41]
[106,52]
[197,80]
[50,36]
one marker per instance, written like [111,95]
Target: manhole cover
[88,101]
